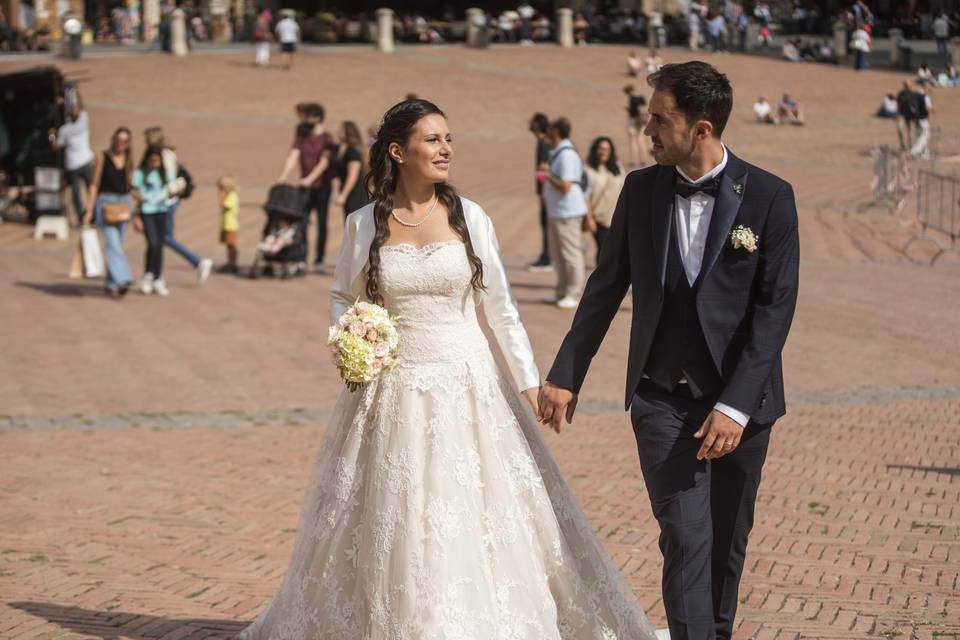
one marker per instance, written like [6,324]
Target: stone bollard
[896,39]
[955,52]
[565,27]
[656,34]
[151,19]
[840,39]
[476,23]
[178,33]
[753,35]
[385,30]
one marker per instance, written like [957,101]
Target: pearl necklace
[422,220]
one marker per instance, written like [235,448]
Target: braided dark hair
[381,182]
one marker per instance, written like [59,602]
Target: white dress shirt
[693,224]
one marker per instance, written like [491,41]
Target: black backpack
[188,180]
[907,105]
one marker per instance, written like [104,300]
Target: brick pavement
[139,498]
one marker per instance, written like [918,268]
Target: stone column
[656,36]
[178,33]
[753,35]
[475,20]
[385,30]
[840,39]
[955,51]
[565,27]
[151,19]
[895,35]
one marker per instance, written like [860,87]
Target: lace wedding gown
[436,511]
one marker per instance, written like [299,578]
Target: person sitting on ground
[789,110]
[790,51]
[634,64]
[653,61]
[763,111]
[826,54]
[888,108]
[925,75]
[949,77]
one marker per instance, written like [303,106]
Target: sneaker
[227,268]
[550,299]
[540,266]
[160,288]
[568,302]
[319,268]
[146,284]
[203,270]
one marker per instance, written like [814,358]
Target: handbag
[116,212]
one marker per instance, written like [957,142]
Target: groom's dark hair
[701,92]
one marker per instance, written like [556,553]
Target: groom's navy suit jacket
[745,300]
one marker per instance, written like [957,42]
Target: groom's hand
[554,402]
[721,435]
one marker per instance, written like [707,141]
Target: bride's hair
[381,182]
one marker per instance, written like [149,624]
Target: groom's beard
[672,157]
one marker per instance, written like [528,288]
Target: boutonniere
[744,238]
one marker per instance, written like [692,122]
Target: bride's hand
[532,396]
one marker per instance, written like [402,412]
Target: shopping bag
[92,255]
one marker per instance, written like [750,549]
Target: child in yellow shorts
[229,221]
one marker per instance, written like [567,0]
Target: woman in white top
[436,510]
[606,181]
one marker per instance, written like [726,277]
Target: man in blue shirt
[566,209]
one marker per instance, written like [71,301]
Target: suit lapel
[725,208]
[664,203]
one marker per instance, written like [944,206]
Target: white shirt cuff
[737,416]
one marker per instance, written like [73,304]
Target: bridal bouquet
[364,343]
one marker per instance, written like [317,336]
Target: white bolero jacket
[499,306]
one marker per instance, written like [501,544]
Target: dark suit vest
[679,349]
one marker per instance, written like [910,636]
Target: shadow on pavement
[114,625]
[69,289]
[949,471]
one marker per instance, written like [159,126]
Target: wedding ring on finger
[728,445]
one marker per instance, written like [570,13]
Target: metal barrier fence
[938,210]
[894,177]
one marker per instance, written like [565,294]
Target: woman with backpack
[183,187]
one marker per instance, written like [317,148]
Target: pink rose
[357,328]
[381,349]
[372,335]
[387,360]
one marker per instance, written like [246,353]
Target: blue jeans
[175,244]
[118,270]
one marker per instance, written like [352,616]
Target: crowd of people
[116,190]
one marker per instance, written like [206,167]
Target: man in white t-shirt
[763,111]
[941,33]
[73,138]
[288,33]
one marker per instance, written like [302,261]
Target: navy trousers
[704,508]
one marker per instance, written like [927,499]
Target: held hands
[531,396]
[721,435]
[553,403]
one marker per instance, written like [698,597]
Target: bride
[436,511]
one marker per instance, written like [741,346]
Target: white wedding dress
[436,512]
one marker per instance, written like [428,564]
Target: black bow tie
[686,189]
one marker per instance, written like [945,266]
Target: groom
[710,246]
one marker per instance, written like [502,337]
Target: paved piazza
[154,453]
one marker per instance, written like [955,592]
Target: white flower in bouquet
[743,238]
[364,343]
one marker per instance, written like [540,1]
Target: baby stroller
[282,250]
